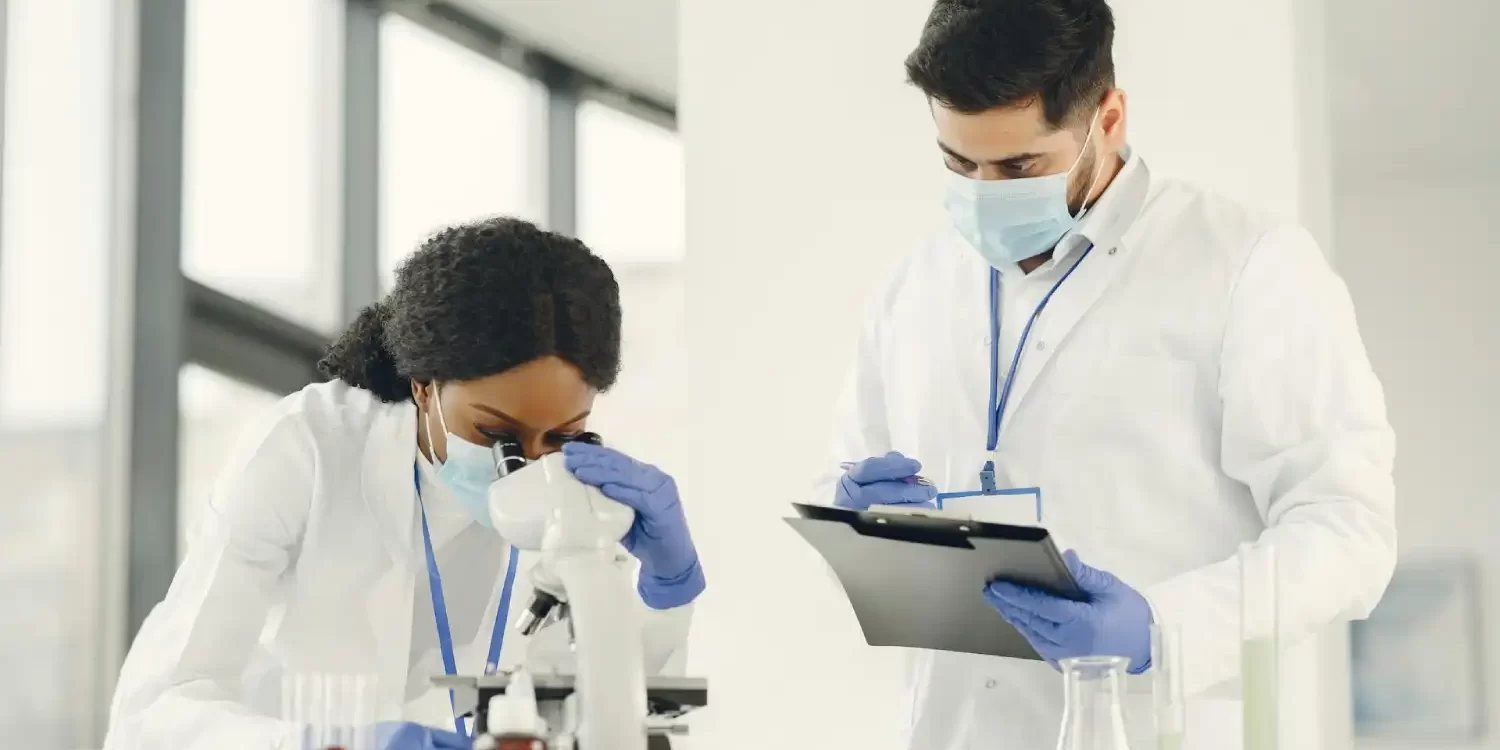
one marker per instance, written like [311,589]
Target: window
[630,212]
[630,193]
[461,138]
[261,159]
[215,412]
[53,367]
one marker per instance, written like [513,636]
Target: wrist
[667,592]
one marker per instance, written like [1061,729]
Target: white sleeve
[1305,429]
[665,632]
[179,688]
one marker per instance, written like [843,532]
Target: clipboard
[916,579]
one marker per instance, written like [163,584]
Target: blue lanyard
[1000,395]
[440,607]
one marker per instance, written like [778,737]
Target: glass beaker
[1259,645]
[1092,718]
[332,711]
[1170,708]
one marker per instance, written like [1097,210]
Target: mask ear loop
[427,425]
[1097,169]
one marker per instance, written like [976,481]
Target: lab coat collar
[386,478]
[1105,225]
[1107,221]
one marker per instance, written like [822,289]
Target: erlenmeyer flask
[1092,719]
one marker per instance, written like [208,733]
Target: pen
[924,481]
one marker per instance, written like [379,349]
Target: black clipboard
[917,580]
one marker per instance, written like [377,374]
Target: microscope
[584,581]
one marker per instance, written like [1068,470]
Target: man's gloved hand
[659,538]
[403,735]
[884,480]
[1113,620]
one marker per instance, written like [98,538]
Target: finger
[442,740]
[1043,646]
[1054,609]
[884,468]
[1039,629]
[626,494]
[599,474]
[1090,580]
[898,493]
[850,495]
[586,454]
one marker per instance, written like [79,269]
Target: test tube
[330,711]
[1166,686]
[1259,646]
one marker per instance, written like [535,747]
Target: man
[1176,372]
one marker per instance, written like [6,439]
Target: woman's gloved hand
[883,480]
[403,735]
[659,538]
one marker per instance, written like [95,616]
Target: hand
[402,735]
[1113,620]
[659,538]
[884,480]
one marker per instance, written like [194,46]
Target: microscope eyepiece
[508,454]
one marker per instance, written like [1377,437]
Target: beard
[1078,193]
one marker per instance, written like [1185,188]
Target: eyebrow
[519,423]
[992,162]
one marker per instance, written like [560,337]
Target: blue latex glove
[884,480]
[1113,620]
[402,735]
[670,573]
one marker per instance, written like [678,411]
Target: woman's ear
[419,393]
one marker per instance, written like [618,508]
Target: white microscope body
[578,530]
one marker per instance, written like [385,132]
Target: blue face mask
[468,471]
[1008,221]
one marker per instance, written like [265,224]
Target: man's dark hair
[481,298]
[977,55]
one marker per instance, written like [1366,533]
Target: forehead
[543,393]
[997,134]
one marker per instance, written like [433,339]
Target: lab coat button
[988,341]
[989,683]
[1040,345]
[1113,250]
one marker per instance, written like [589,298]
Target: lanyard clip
[987,478]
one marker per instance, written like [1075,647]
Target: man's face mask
[1008,221]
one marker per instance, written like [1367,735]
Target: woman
[315,554]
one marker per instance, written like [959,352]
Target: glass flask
[1170,708]
[1092,717]
[1260,650]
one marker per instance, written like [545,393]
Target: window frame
[161,320]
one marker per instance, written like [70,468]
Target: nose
[988,172]
[538,446]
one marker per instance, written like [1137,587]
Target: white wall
[1414,216]
[809,167]
[1422,264]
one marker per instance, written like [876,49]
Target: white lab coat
[1197,382]
[307,561]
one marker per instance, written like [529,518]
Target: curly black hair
[478,299]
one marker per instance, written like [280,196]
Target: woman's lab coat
[1199,381]
[308,561]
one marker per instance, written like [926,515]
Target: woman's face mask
[468,469]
